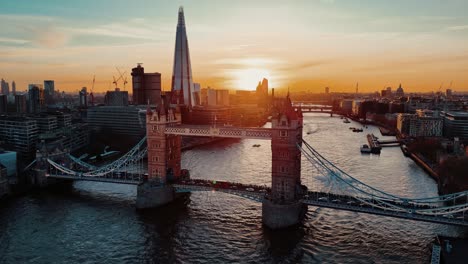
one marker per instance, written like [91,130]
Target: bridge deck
[346,203]
[122,179]
[259,193]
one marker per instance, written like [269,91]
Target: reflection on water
[97,222]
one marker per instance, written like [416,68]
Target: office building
[13,88]
[456,124]
[45,123]
[347,106]
[63,119]
[5,89]
[262,93]
[211,97]
[222,97]
[3,103]
[121,120]
[403,123]
[415,125]
[35,98]
[73,137]
[49,91]
[21,103]
[116,98]
[146,87]
[83,94]
[20,135]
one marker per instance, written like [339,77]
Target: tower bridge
[283,202]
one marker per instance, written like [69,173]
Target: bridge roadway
[319,199]
[114,177]
[259,193]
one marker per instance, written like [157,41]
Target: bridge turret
[164,154]
[283,207]
[163,150]
[286,156]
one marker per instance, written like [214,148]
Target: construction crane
[91,95]
[122,77]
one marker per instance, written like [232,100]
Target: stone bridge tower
[283,207]
[164,151]
[164,157]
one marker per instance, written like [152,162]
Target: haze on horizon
[305,45]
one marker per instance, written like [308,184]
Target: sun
[248,78]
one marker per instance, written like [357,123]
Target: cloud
[35,30]
[457,28]
[14,41]
[48,36]
[136,28]
[305,65]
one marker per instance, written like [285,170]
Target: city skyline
[421,44]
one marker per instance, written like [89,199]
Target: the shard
[182,82]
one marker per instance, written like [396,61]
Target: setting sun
[247,79]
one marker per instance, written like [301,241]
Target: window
[284,123]
[283,133]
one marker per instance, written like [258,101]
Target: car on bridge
[249,189]
[323,199]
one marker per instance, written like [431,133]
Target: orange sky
[305,45]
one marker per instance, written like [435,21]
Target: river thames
[98,222]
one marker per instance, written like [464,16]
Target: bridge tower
[283,207]
[164,158]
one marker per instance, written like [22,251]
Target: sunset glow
[306,45]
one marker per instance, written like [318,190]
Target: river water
[98,223]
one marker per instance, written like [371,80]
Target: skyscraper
[182,82]
[5,89]
[35,98]
[13,87]
[83,94]
[49,90]
[146,86]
